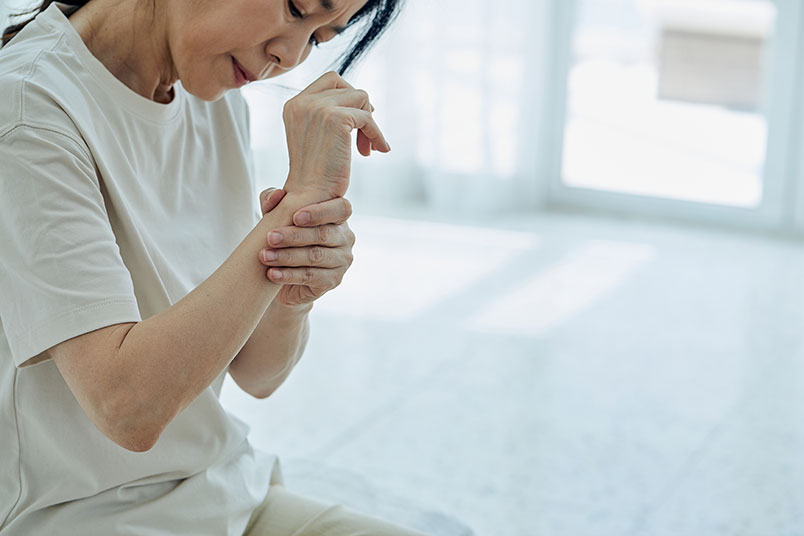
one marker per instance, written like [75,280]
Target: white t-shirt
[112,208]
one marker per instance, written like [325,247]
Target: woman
[131,246]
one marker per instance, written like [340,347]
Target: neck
[131,40]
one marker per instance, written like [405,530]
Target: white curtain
[459,91]
[458,87]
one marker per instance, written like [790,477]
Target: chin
[206,92]
[199,78]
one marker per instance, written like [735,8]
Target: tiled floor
[559,376]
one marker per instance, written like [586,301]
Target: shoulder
[38,84]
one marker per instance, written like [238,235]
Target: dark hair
[14,29]
[381,13]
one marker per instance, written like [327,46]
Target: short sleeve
[61,273]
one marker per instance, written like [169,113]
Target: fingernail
[303,218]
[269,255]
[275,238]
[275,274]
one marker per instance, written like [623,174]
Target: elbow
[136,440]
[132,426]
[266,389]
[256,386]
[265,393]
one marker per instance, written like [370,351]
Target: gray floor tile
[559,375]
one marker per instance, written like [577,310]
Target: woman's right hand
[319,123]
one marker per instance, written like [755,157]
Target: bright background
[576,304]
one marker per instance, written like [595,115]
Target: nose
[288,51]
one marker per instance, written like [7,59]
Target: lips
[247,75]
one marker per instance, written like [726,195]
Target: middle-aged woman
[130,260]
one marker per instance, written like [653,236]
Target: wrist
[299,311]
[282,214]
[303,197]
[309,193]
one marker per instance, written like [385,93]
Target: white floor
[559,376]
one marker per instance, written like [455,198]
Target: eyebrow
[327,6]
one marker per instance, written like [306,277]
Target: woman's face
[266,37]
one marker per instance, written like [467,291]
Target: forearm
[167,360]
[272,351]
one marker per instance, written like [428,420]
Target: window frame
[782,207]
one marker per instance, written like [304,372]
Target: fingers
[364,144]
[321,279]
[292,295]
[343,94]
[323,235]
[353,98]
[334,211]
[359,99]
[313,257]
[329,80]
[364,121]
[270,198]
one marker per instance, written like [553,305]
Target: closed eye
[294,10]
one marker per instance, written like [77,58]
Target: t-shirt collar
[54,18]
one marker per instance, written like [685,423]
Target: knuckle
[291,236]
[316,254]
[324,234]
[363,94]
[307,276]
[288,108]
[294,107]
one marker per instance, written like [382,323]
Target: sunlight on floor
[562,375]
[568,288]
[398,278]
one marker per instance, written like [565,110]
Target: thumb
[270,198]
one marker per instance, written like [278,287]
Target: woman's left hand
[309,258]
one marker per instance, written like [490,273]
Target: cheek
[204,44]
[202,60]
[204,73]
[306,53]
